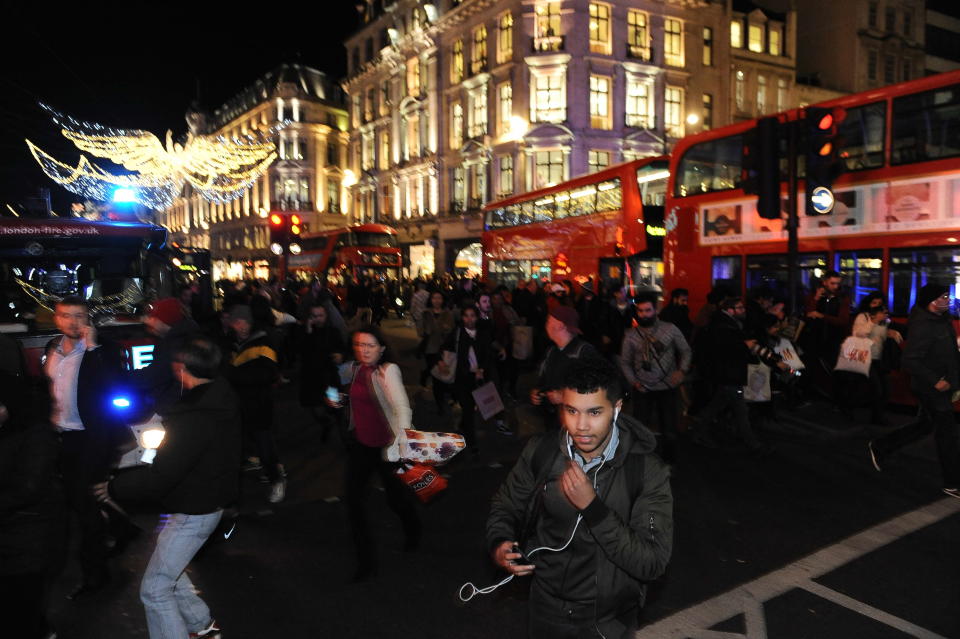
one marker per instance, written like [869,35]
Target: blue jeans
[173,608]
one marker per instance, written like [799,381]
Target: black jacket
[930,354]
[460,342]
[197,467]
[157,379]
[317,368]
[727,356]
[623,541]
[556,363]
[252,372]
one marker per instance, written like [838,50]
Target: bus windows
[861,272]
[926,126]
[771,272]
[711,166]
[609,196]
[860,137]
[543,209]
[646,274]
[583,201]
[509,272]
[525,213]
[910,269]
[725,273]
[652,180]
[378,240]
[562,205]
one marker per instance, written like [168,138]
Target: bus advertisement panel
[606,225]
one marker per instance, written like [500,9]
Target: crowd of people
[593,352]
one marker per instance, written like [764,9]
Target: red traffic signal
[276,219]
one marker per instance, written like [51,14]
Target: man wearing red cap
[563,329]
[166,321]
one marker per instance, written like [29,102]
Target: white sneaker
[278,490]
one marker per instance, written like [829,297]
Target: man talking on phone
[588,512]
[80,372]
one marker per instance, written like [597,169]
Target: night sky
[139,65]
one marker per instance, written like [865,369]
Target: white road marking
[696,620]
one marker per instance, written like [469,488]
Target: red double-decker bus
[607,224]
[363,251]
[896,220]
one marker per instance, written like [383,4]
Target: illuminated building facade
[309,176]
[455,103]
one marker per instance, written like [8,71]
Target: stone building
[309,176]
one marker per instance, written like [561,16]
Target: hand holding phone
[522,560]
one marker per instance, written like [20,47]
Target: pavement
[808,541]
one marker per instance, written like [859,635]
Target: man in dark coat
[728,353]
[166,321]
[321,351]
[930,358]
[193,477]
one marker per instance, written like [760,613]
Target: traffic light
[279,233]
[295,226]
[822,158]
[761,166]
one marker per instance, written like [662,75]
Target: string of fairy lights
[125,300]
[220,169]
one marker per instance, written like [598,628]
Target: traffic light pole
[793,219]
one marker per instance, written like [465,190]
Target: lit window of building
[781,94]
[478,112]
[385,97]
[459,187]
[548,35]
[600,102]
[355,110]
[638,35]
[739,89]
[456,126]
[505,99]
[736,34]
[673,42]
[413,76]
[504,37]
[413,135]
[600,28]
[478,54]
[673,111]
[773,44]
[755,37]
[707,112]
[597,160]
[639,105]
[366,152]
[707,47]
[478,185]
[456,63]
[383,160]
[550,168]
[368,104]
[761,94]
[505,181]
[549,99]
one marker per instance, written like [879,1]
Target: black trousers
[933,418]
[82,465]
[362,463]
[660,407]
[24,596]
[553,618]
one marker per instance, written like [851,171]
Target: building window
[413,135]
[385,97]
[505,181]
[736,34]
[413,76]
[478,54]
[600,28]
[872,14]
[478,185]
[548,20]
[781,94]
[673,42]
[707,47]
[739,88]
[505,99]
[773,35]
[333,154]
[890,19]
[889,64]
[755,37]
[600,102]
[333,196]
[761,94]
[505,38]
[707,111]
[478,113]
[872,65]
[549,99]
[366,152]
[907,70]
[639,105]
[597,160]
[456,63]
[673,111]
[908,23]
[550,168]
[456,126]
[384,157]
[458,188]
[638,36]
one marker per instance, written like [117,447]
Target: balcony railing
[638,52]
[639,120]
[478,66]
[549,43]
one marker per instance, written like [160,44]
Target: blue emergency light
[120,402]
